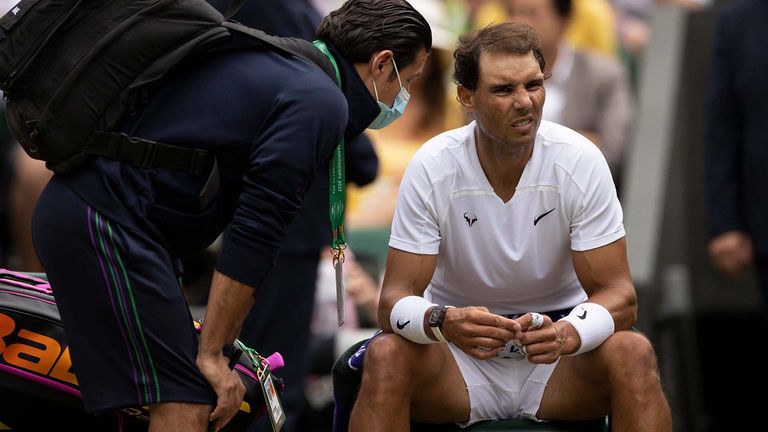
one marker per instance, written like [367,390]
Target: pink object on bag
[274,361]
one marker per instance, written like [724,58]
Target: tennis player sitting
[506,216]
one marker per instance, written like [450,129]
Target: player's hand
[227,385]
[478,332]
[543,344]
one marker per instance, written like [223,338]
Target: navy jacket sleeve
[297,137]
[724,136]
[363,164]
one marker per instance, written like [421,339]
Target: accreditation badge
[272,400]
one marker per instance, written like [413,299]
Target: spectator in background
[586,92]
[632,22]
[592,25]
[634,30]
[737,143]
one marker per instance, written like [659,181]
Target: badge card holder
[268,388]
[272,400]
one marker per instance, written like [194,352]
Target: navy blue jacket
[295,18]
[311,229]
[737,124]
[273,120]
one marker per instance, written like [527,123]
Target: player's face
[508,100]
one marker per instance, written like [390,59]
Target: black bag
[70,69]
[38,386]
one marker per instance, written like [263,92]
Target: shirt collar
[362,106]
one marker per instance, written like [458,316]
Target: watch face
[436,316]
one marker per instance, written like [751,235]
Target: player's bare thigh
[621,374]
[576,391]
[579,388]
[438,391]
[447,400]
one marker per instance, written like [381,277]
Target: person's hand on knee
[227,385]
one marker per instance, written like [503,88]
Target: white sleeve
[597,218]
[415,226]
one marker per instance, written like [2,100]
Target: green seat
[370,244]
[597,425]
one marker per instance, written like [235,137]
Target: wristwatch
[435,321]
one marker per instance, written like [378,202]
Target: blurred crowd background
[635,76]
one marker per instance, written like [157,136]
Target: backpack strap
[150,154]
[294,46]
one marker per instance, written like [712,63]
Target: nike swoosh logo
[535,221]
[580,316]
[402,326]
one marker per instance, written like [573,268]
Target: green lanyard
[337,179]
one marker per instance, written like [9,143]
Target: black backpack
[70,69]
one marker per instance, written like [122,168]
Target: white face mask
[390,114]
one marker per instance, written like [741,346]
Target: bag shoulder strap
[294,46]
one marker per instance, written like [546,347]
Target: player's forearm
[228,304]
[407,274]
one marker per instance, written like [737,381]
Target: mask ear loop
[376,92]
[403,90]
[396,72]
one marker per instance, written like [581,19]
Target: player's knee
[386,352]
[631,351]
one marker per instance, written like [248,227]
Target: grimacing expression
[509,98]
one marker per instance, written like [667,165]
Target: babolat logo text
[30,350]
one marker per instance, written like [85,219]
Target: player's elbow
[386,303]
[630,307]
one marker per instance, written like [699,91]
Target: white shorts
[502,388]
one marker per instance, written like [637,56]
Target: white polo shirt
[511,257]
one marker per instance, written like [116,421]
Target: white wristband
[407,319]
[593,323]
